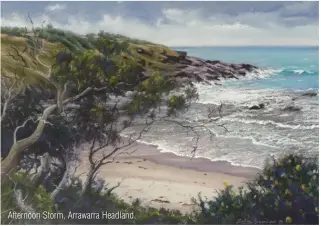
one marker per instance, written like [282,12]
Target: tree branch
[11,161]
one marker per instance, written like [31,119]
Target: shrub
[287,191]
[34,199]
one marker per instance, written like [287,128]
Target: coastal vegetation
[61,90]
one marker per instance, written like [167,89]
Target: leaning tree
[94,96]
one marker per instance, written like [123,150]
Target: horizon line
[205,46]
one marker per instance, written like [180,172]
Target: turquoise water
[253,135]
[295,68]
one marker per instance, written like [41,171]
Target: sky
[179,23]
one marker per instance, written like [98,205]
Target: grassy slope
[11,63]
[154,56]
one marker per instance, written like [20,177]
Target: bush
[99,199]
[35,200]
[287,191]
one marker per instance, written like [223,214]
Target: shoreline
[152,153]
[165,179]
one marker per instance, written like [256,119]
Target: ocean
[289,122]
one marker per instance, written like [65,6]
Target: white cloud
[56,7]
[179,27]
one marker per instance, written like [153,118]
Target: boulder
[310,94]
[291,108]
[257,107]
[249,67]
[242,71]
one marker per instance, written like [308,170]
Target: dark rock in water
[291,108]
[248,67]
[310,94]
[257,107]
[242,71]
[198,70]
[213,61]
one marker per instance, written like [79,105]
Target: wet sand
[166,180]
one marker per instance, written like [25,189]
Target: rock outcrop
[257,107]
[188,70]
[310,94]
[291,108]
[192,69]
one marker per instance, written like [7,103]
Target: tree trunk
[88,181]
[86,186]
[62,184]
[43,171]
[4,110]
[10,163]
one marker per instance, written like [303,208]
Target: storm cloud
[179,23]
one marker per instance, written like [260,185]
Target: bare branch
[19,127]
[25,64]
[187,125]
[10,89]
[109,191]
[11,161]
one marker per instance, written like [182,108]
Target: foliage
[285,192]
[96,201]
[37,199]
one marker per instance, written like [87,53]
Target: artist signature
[264,221]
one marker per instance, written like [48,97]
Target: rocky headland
[189,70]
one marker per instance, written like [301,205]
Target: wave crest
[266,122]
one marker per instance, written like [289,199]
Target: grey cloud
[283,13]
[207,23]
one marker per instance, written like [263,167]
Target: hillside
[149,56]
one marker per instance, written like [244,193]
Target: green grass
[34,72]
[155,56]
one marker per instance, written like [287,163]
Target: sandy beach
[166,180]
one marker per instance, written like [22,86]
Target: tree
[89,72]
[11,86]
[97,95]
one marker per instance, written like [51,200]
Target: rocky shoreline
[191,70]
[198,70]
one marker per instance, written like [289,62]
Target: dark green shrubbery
[285,192]
[98,199]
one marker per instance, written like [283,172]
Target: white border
[202,0]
